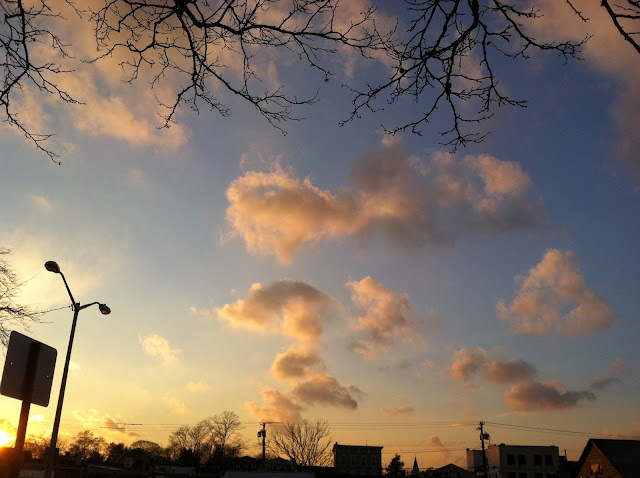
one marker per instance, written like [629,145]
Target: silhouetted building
[516,461]
[357,459]
[610,459]
[416,469]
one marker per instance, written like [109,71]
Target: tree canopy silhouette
[441,54]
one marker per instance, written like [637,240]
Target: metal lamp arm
[73,301]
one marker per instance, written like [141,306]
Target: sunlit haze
[396,288]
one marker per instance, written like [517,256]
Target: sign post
[27,376]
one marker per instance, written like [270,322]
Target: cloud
[603,381]
[411,203]
[41,203]
[467,362]
[156,346]
[383,315]
[606,52]
[176,406]
[286,307]
[323,389]
[537,396]
[198,386]
[440,451]
[508,371]
[107,426]
[297,363]
[278,408]
[397,411]
[552,299]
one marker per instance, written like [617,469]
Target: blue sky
[337,272]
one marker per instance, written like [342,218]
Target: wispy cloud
[198,386]
[411,203]
[159,347]
[601,382]
[552,299]
[40,203]
[176,406]
[398,411]
[384,314]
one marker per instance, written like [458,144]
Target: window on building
[512,474]
[522,460]
[522,474]
[537,459]
[539,475]
[511,459]
[548,460]
[344,460]
[364,460]
[353,460]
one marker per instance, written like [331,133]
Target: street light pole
[52,266]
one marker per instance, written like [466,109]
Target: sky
[400,291]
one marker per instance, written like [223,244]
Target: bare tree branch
[306,443]
[13,314]
[189,38]
[20,30]
[446,61]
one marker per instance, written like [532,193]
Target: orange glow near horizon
[6,438]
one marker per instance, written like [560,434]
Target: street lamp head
[52,266]
[104,309]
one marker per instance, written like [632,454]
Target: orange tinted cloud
[603,381]
[290,308]
[156,346]
[324,389]
[412,204]
[397,411]
[537,396]
[383,315]
[552,299]
[467,362]
[278,407]
[508,371]
[296,363]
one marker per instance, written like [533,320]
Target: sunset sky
[400,291]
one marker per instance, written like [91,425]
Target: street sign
[16,370]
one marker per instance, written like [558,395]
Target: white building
[516,461]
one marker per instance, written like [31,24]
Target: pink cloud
[383,315]
[552,299]
[410,203]
[286,307]
[467,362]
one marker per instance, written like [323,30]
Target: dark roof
[622,454]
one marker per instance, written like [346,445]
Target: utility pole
[483,436]
[263,433]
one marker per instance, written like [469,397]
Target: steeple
[416,468]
